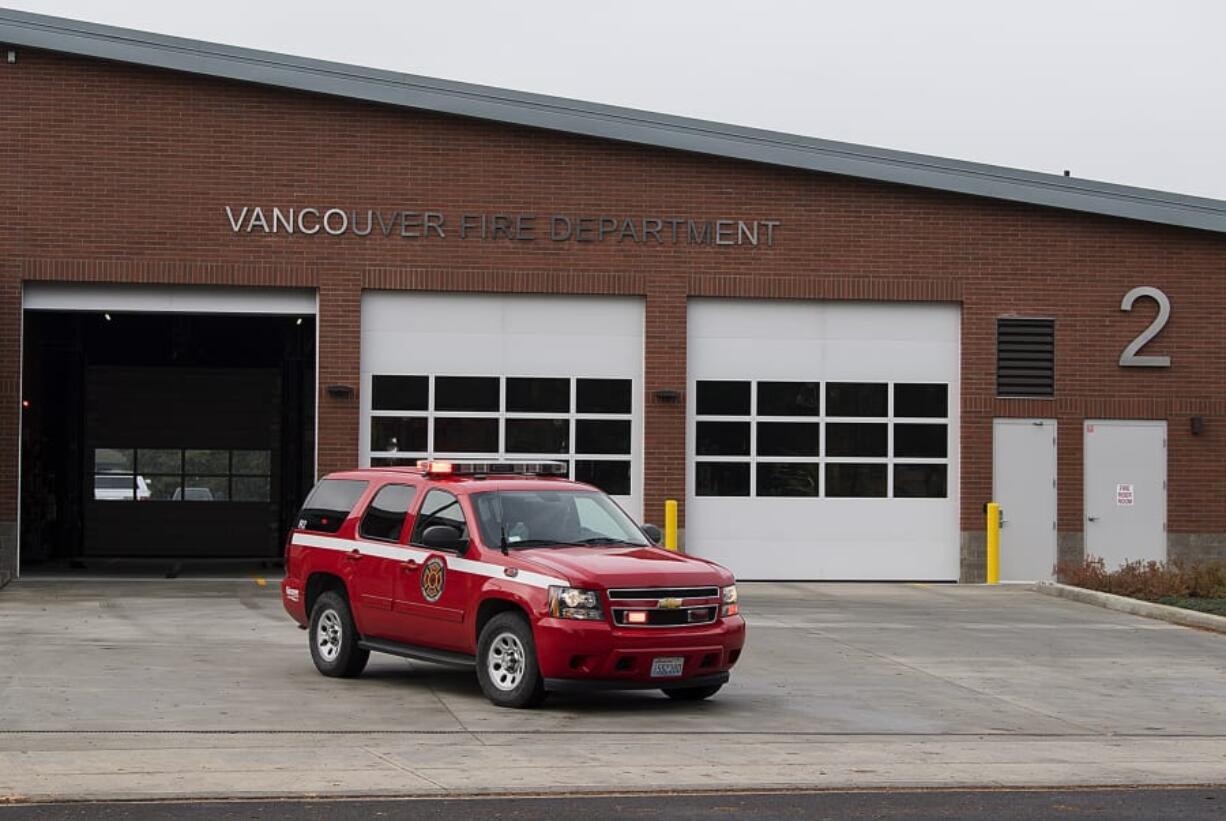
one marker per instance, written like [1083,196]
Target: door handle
[409,565]
[353,555]
[1092,518]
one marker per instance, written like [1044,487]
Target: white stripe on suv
[404,552]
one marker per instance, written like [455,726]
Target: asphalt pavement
[198,688]
[1198,804]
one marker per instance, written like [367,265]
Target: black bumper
[562,685]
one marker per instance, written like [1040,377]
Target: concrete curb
[1136,607]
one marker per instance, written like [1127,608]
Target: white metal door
[590,349]
[1125,490]
[776,492]
[1024,484]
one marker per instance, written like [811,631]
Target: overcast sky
[1127,91]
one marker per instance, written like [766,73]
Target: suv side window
[439,508]
[329,504]
[384,516]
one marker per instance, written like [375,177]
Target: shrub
[1149,581]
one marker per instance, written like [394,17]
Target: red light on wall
[25,403]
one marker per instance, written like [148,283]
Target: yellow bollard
[670,524]
[993,543]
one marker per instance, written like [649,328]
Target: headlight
[573,603]
[730,608]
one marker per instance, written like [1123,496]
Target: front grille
[649,593]
[665,606]
[657,617]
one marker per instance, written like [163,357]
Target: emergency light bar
[435,467]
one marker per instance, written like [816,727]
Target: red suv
[538,582]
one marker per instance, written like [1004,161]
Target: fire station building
[225,273]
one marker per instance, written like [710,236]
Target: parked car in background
[120,486]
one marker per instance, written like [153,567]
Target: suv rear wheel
[506,662]
[334,638]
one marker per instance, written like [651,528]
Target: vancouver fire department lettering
[517,227]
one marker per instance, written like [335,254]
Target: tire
[506,662]
[693,693]
[334,638]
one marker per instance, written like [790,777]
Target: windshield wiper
[595,540]
[544,543]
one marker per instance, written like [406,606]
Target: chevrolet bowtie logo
[670,604]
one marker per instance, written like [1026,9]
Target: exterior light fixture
[12,56]
[107,317]
[1198,425]
[339,391]
[667,395]
[298,321]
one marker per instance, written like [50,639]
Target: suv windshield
[547,518]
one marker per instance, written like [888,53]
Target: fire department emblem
[433,578]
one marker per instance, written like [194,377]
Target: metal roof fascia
[607,122]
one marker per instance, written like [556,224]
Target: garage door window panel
[789,439]
[538,395]
[722,398]
[115,474]
[788,447]
[856,399]
[723,439]
[721,479]
[789,478]
[538,436]
[611,476]
[857,439]
[465,435]
[207,476]
[466,393]
[390,434]
[162,471]
[789,399]
[603,436]
[920,401]
[587,422]
[603,396]
[920,441]
[400,393]
[855,480]
[921,481]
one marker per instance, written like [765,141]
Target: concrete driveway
[189,687]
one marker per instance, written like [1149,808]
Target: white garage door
[525,377]
[823,439]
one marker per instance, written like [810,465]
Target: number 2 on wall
[1129,358]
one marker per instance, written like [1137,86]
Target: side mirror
[654,533]
[443,537]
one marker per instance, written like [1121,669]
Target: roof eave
[607,122]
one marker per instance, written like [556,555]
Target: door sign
[1123,495]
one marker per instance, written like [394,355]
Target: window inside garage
[821,439]
[585,423]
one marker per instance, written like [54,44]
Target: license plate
[667,667]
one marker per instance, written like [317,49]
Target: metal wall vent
[1025,357]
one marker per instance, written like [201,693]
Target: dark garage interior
[163,440]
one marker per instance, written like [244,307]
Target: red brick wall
[117,173]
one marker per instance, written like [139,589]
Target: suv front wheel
[506,662]
[334,638]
